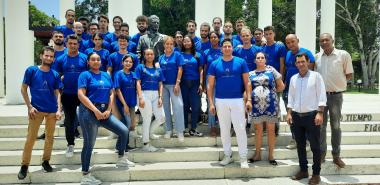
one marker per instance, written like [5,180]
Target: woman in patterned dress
[265,82]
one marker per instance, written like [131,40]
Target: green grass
[355,90]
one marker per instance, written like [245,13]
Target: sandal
[273,162]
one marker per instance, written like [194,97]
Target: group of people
[100,78]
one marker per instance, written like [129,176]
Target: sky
[50,7]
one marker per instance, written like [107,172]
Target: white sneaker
[181,138]
[90,180]
[243,163]
[149,148]
[226,160]
[292,145]
[124,162]
[168,134]
[154,136]
[70,151]
[134,134]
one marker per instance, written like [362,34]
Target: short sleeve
[83,80]
[180,60]
[244,67]
[162,78]
[211,69]
[136,61]
[347,63]
[138,72]
[282,50]
[58,66]
[116,84]
[28,76]
[311,56]
[57,81]
[109,64]
[276,74]
[200,59]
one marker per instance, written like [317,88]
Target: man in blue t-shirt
[116,22]
[191,26]
[292,42]
[132,46]
[229,74]
[70,65]
[204,43]
[67,29]
[103,22]
[85,23]
[275,55]
[44,84]
[78,29]
[142,26]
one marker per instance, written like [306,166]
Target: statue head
[153,23]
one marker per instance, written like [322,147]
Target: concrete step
[348,138]
[325,179]
[374,115]
[185,170]
[183,154]
[14,131]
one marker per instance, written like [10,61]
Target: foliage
[91,8]
[38,18]
[173,14]
[234,11]
[38,45]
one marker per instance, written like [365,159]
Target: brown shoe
[323,157]
[314,180]
[213,131]
[301,175]
[339,162]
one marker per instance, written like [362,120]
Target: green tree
[38,18]
[234,11]
[91,8]
[173,14]
[363,18]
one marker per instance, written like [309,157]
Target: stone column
[206,10]
[18,49]
[265,13]
[328,17]
[128,10]
[2,72]
[306,23]
[63,6]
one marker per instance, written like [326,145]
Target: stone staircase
[196,158]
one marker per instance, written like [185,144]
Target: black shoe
[42,136]
[46,166]
[193,132]
[23,172]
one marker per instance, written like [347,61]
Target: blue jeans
[191,99]
[211,117]
[127,121]
[177,103]
[90,124]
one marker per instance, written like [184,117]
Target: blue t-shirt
[169,66]
[191,66]
[83,45]
[86,36]
[135,38]
[235,42]
[274,53]
[196,39]
[132,47]
[238,38]
[63,28]
[114,61]
[112,37]
[42,85]
[98,86]
[150,77]
[228,77]
[103,53]
[127,85]
[57,54]
[211,55]
[248,55]
[290,63]
[205,45]
[71,67]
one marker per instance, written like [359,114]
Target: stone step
[348,138]
[325,179]
[374,115]
[183,154]
[14,131]
[185,170]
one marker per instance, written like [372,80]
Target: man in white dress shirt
[335,66]
[306,102]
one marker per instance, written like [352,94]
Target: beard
[142,29]
[46,64]
[58,43]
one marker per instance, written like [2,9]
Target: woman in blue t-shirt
[95,92]
[125,85]
[97,38]
[149,90]
[171,65]
[191,84]
[266,82]
[210,56]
